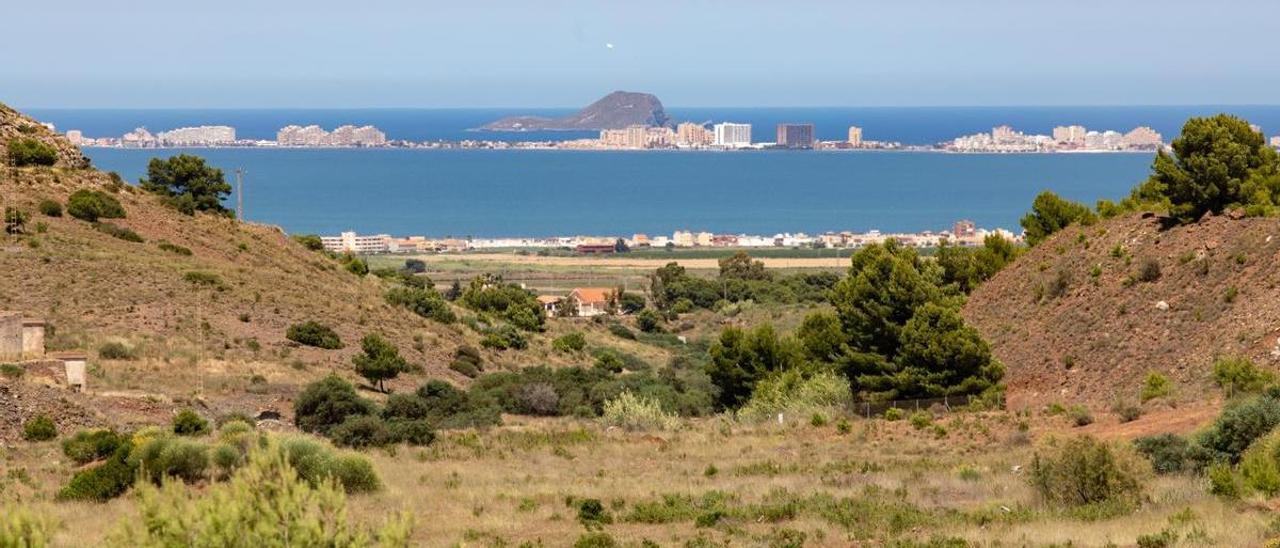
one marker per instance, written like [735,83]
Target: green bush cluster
[203,278]
[330,407]
[269,501]
[675,291]
[50,208]
[313,333]
[25,152]
[504,337]
[92,205]
[311,242]
[189,423]
[467,361]
[966,268]
[1083,471]
[570,342]
[1051,213]
[510,302]
[39,428]
[119,232]
[115,350]
[423,301]
[90,445]
[1239,375]
[174,248]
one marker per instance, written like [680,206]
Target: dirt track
[631,263]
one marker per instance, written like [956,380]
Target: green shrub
[414,432]
[167,456]
[115,351]
[1084,471]
[893,414]
[189,423]
[1171,453]
[621,331]
[11,370]
[1149,271]
[361,431]
[465,368]
[1080,415]
[104,481]
[39,428]
[609,360]
[50,208]
[598,539]
[1156,386]
[174,248]
[118,232]
[318,464]
[570,342]
[793,393]
[310,241]
[1127,411]
[200,277]
[27,152]
[91,205]
[632,412]
[267,502]
[1239,425]
[327,403]
[1222,482]
[649,321]
[504,337]
[591,513]
[515,304]
[1260,465]
[312,333]
[22,528]
[423,301]
[89,445]
[1240,375]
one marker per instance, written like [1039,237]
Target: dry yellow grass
[877,483]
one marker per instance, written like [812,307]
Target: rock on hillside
[616,110]
[1084,317]
[15,125]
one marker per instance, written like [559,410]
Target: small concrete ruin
[20,338]
[76,368]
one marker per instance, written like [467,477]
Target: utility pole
[240,194]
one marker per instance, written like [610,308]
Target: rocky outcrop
[15,125]
[616,110]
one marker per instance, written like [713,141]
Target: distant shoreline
[514,148]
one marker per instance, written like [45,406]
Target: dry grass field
[716,482]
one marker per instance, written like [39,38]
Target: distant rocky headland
[616,110]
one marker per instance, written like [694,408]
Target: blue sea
[541,193]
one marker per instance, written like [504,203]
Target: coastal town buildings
[730,135]
[350,242]
[1069,135]
[75,136]
[1064,138]
[689,134]
[342,136]
[798,136]
[198,136]
[855,136]
[1275,141]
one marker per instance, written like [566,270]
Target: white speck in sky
[609,45]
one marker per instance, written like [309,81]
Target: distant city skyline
[401,53]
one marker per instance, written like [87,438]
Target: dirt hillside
[1084,317]
[94,288]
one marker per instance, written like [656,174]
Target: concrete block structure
[20,339]
[76,366]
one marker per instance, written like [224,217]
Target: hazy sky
[421,53]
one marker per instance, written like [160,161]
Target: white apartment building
[732,135]
[199,135]
[355,243]
[855,136]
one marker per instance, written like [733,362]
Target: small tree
[741,267]
[312,333]
[190,184]
[1051,213]
[31,152]
[380,361]
[326,403]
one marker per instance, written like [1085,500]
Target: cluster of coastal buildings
[223,136]
[962,233]
[684,136]
[726,135]
[1064,139]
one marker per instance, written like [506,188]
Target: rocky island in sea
[616,110]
